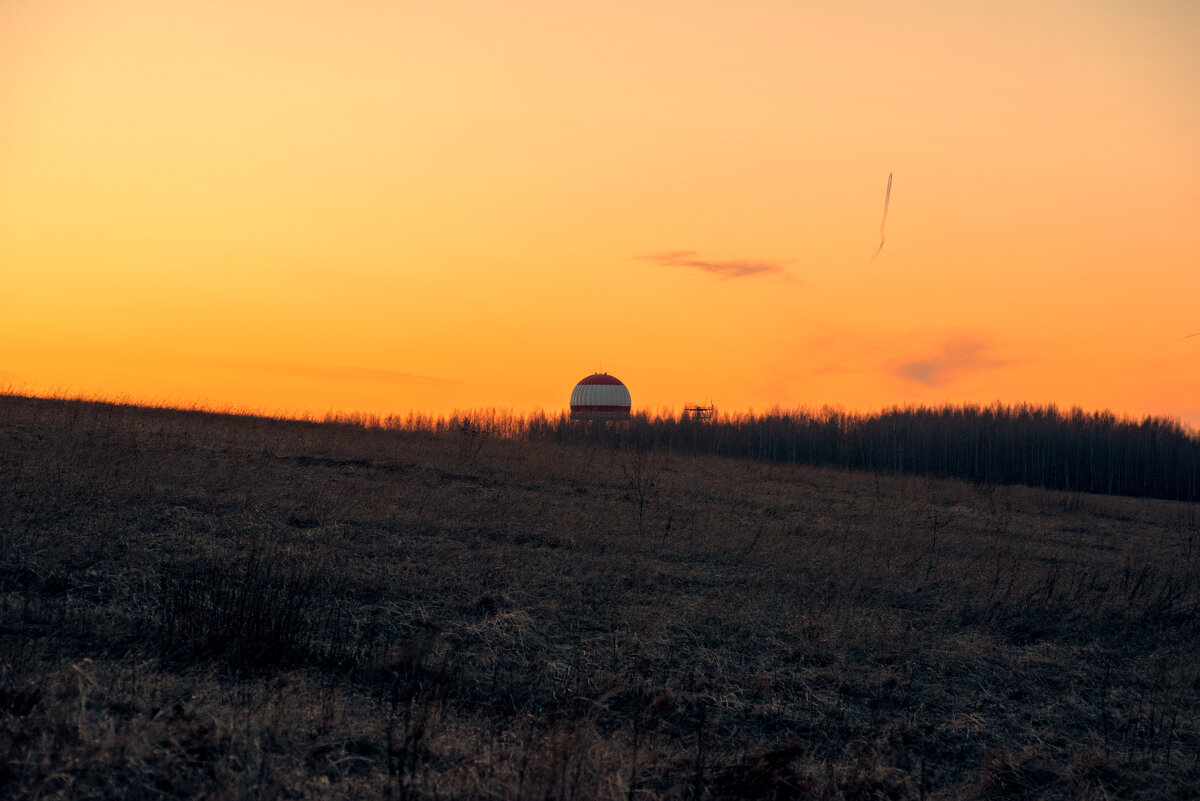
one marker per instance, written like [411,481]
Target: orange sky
[368,205]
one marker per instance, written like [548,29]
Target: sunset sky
[383,206]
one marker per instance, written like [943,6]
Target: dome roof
[600,396]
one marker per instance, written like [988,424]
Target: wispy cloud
[736,268]
[344,373]
[957,355]
[332,372]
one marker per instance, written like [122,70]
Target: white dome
[600,395]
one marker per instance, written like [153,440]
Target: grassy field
[208,606]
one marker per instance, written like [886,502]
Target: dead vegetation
[215,606]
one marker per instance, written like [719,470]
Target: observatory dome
[600,396]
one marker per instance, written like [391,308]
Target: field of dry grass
[211,606]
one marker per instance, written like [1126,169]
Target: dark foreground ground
[207,606]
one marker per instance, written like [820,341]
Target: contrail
[1189,336]
[886,199]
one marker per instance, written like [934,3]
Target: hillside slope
[196,605]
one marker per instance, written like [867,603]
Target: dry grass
[213,606]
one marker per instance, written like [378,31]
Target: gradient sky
[383,206]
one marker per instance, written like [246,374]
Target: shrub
[257,610]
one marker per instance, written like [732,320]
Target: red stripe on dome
[599,408]
[601,378]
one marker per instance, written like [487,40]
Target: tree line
[1039,446]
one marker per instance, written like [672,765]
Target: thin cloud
[959,356]
[343,373]
[887,198]
[737,268]
[331,372]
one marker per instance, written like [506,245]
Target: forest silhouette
[1038,446]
